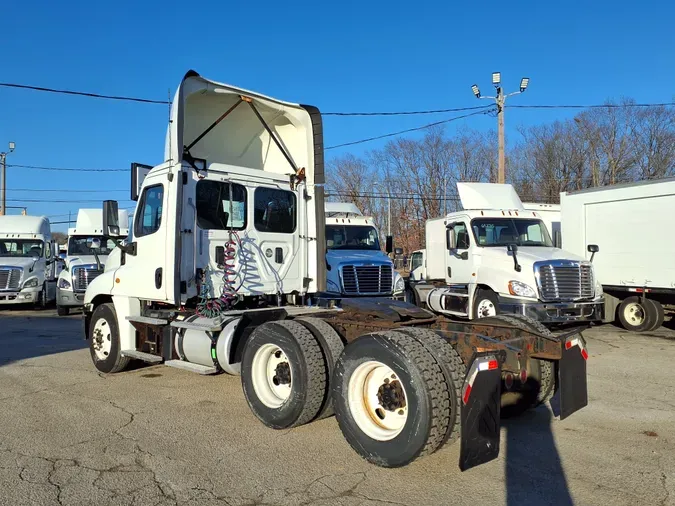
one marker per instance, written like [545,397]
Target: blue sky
[339,56]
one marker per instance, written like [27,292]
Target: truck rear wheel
[658,313]
[454,371]
[391,399]
[636,315]
[331,346]
[539,385]
[104,340]
[283,374]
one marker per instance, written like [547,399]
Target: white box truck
[86,253]
[226,272]
[28,261]
[356,265]
[496,257]
[632,224]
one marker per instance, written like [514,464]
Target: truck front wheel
[486,303]
[104,340]
[62,310]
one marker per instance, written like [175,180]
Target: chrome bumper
[68,298]
[556,312]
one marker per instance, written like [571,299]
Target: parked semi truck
[355,262]
[495,257]
[226,272]
[632,225]
[28,261]
[86,253]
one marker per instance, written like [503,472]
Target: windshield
[20,248]
[78,246]
[360,237]
[504,231]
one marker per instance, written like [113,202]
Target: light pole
[500,100]
[3,191]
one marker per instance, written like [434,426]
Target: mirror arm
[129,249]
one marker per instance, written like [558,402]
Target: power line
[68,190]
[393,134]
[38,167]
[591,106]
[405,113]
[84,93]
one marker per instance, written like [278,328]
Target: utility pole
[3,181]
[500,100]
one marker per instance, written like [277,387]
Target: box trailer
[632,224]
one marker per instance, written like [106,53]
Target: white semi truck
[226,272]
[632,225]
[28,261]
[495,257]
[356,265]
[86,253]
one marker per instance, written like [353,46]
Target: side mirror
[94,243]
[389,244]
[111,224]
[398,251]
[593,249]
[450,239]
[512,248]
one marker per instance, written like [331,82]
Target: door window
[461,236]
[149,214]
[275,210]
[415,261]
[215,210]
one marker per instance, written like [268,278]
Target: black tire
[658,314]
[42,298]
[539,387]
[454,371]
[62,310]
[307,368]
[635,315]
[483,294]
[426,395]
[114,362]
[331,347]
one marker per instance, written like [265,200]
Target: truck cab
[87,251]
[28,261]
[355,263]
[496,257]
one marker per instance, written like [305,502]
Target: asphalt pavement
[162,436]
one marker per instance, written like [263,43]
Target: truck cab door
[459,262]
[145,275]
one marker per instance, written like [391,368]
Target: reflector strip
[584,354]
[467,393]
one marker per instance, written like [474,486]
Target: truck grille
[10,278]
[367,279]
[564,280]
[84,275]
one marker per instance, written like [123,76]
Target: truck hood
[24,262]
[528,255]
[85,260]
[344,256]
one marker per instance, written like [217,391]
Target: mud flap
[480,414]
[572,381]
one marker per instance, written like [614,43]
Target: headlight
[63,284]
[598,288]
[399,284]
[31,283]
[521,289]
